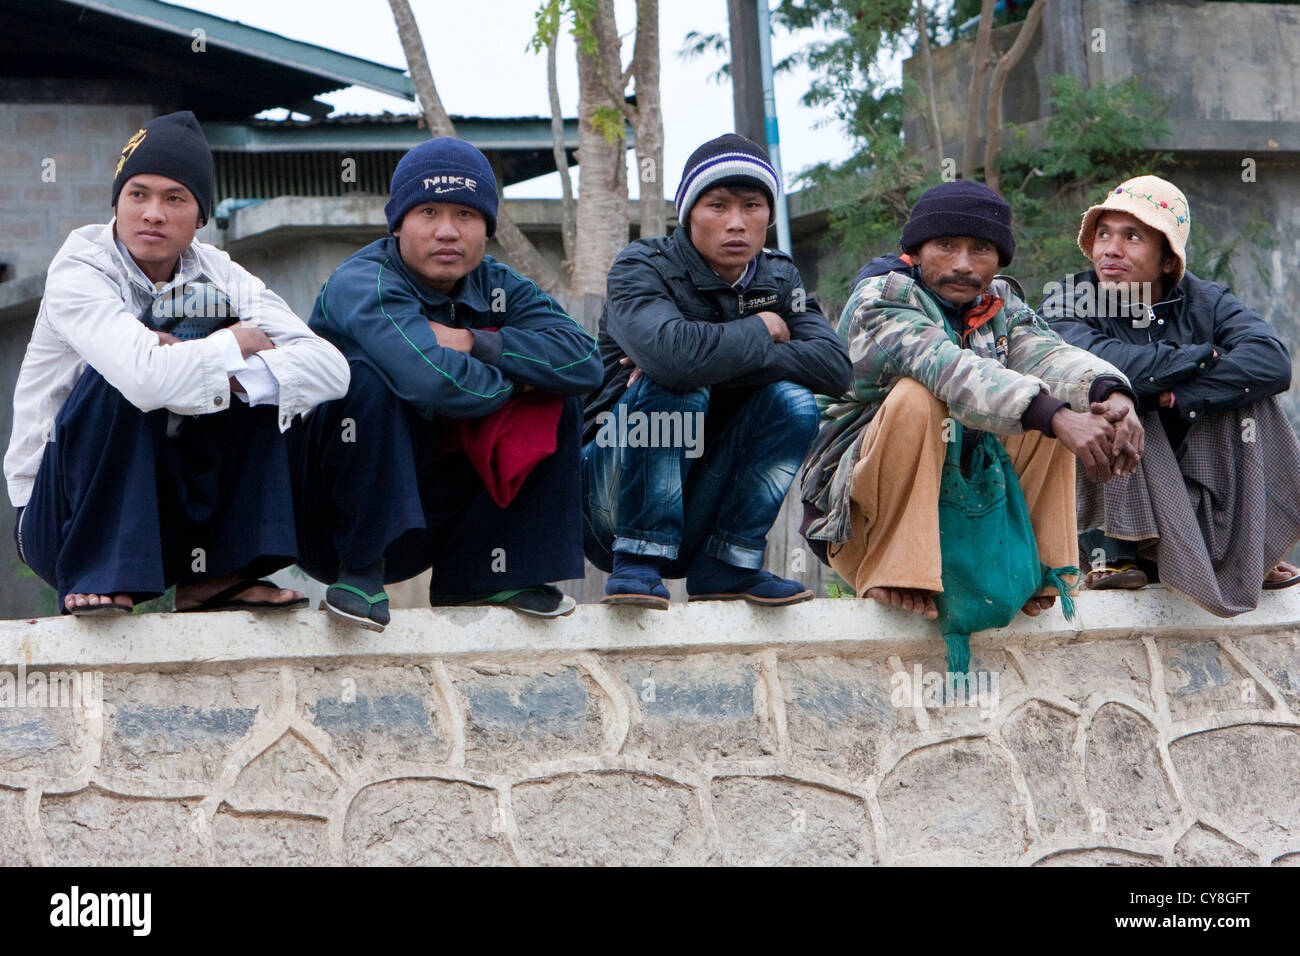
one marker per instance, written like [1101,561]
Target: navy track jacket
[377,312]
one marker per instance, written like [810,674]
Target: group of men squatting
[176,424]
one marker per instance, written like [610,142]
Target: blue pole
[769,116]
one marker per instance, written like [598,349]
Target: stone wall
[709,734]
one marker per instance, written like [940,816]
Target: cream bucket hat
[1153,201]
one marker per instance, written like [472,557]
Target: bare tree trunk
[932,109]
[648,121]
[603,204]
[522,253]
[979,72]
[1006,62]
[568,226]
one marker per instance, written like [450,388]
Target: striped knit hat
[729,160]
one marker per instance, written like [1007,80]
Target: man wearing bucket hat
[871,482]
[1213,506]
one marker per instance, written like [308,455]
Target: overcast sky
[481,66]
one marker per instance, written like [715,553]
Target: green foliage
[1213,259]
[697,44]
[549,15]
[836,586]
[162,604]
[609,123]
[1092,140]
[869,194]
[47,600]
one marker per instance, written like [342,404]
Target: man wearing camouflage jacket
[871,481]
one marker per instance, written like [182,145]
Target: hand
[1130,437]
[251,339]
[776,326]
[1167,399]
[458,340]
[236,387]
[636,371]
[1214,353]
[166,338]
[1089,438]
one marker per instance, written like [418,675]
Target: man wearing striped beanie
[712,351]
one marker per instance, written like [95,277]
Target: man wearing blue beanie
[456,446]
[871,484]
[712,351]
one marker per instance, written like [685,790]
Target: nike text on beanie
[446,170]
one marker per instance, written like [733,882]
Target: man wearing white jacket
[147,447]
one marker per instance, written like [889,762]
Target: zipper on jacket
[22,554]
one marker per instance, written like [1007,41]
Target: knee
[794,406]
[911,405]
[651,396]
[369,393]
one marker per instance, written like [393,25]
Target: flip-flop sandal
[1127,576]
[221,601]
[368,622]
[100,610]
[1278,585]
[511,598]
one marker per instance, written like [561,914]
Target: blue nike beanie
[443,170]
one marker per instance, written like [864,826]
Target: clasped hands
[1107,439]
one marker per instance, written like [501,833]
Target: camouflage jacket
[894,328]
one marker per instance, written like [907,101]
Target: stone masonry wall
[671,739]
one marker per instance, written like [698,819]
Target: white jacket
[89,316]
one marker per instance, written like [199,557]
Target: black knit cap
[173,146]
[961,208]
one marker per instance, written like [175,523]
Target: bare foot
[98,600]
[1037,605]
[1282,573]
[909,599]
[192,595]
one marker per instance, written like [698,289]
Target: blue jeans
[665,491]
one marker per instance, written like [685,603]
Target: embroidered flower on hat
[1180,218]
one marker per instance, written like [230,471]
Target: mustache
[960,280]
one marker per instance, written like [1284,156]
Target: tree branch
[1006,62]
[522,253]
[568,226]
[979,71]
[932,115]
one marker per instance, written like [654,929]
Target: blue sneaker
[763,588]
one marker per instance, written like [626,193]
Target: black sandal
[221,601]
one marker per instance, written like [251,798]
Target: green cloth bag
[990,563]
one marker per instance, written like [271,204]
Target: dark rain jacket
[684,327]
